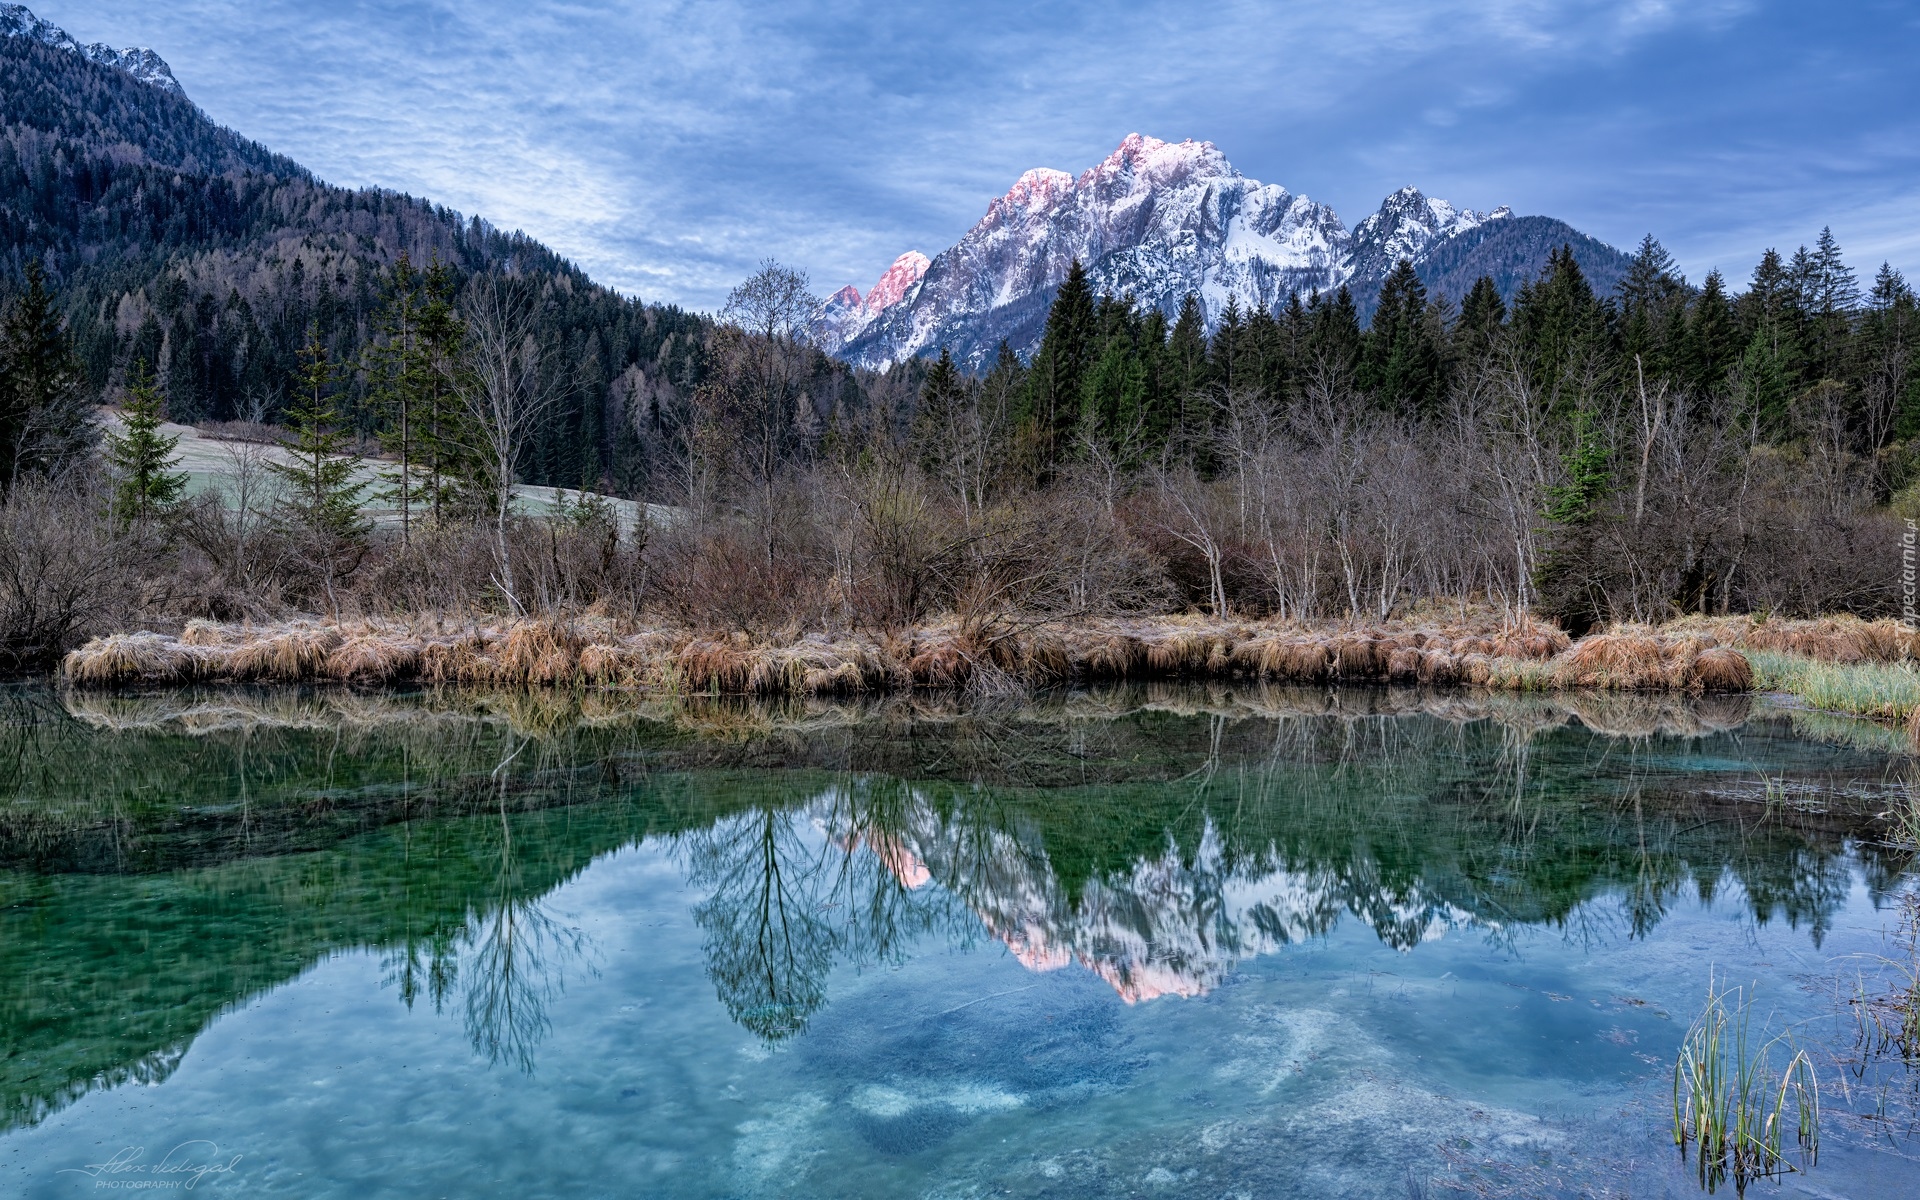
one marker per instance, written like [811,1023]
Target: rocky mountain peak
[138,61]
[903,274]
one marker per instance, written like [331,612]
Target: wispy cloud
[668,146]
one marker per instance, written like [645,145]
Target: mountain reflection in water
[1154,836]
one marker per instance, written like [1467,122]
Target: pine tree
[1766,384]
[1830,295]
[1650,302]
[444,447]
[1401,362]
[1192,417]
[1333,335]
[1889,340]
[1224,354]
[1771,323]
[321,497]
[146,486]
[1269,367]
[401,370]
[1113,404]
[1482,315]
[46,418]
[1060,369]
[941,395]
[1713,338]
[1564,330]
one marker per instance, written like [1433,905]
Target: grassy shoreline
[1474,649]
[1834,665]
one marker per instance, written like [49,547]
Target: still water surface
[1151,942]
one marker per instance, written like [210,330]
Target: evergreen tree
[1333,335]
[1565,331]
[1831,285]
[321,497]
[142,459]
[401,368]
[1766,384]
[1771,321]
[46,418]
[1830,295]
[1713,338]
[1566,577]
[444,447]
[1889,340]
[1268,365]
[942,393]
[1482,315]
[1059,371]
[1113,408]
[1401,362]
[1186,376]
[1652,323]
[1223,359]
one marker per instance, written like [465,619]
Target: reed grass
[1730,1107]
[1886,690]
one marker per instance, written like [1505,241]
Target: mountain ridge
[1159,220]
[16,20]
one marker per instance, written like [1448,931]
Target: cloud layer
[669,146]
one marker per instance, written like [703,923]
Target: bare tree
[757,401]
[504,393]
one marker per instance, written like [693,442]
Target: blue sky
[668,147]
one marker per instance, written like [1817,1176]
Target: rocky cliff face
[1156,219]
[138,61]
[847,313]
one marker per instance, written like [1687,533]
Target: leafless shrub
[66,570]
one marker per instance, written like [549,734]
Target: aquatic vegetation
[1729,1103]
[1886,690]
[1889,1019]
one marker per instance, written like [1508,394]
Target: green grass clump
[1887,690]
[1731,1104]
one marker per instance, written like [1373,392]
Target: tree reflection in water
[791,893]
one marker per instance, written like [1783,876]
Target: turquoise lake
[1152,941]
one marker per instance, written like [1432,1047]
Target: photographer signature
[185,1165]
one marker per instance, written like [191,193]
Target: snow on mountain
[846,313]
[138,61]
[903,274]
[1171,924]
[1156,219]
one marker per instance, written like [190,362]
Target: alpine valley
[1161,221]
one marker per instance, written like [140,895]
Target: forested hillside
[177,242]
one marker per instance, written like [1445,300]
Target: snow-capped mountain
[138,61]
[1171,924]
[1156,219]
[847,313]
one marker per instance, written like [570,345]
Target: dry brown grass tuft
[1113,656]
[295,654]
[130,658]
[1717,669]
[1834,639]
[375,657]
[1180,653]
[204,633]
[1615,660]
[714,666]
[1357,657]
[540,651]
